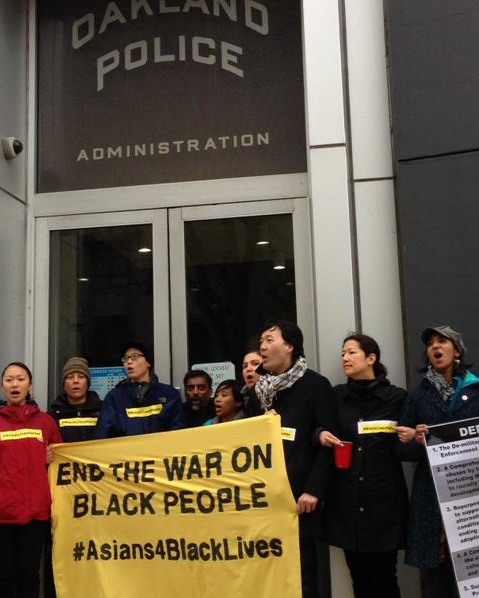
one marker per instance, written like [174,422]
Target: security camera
[11,147]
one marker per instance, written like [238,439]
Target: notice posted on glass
[453,453]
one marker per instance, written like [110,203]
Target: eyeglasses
[191,387]
[132,356]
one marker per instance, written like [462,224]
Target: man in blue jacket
[139,404]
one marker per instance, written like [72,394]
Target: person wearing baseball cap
[140,404]
[448,392]
[446,332]
[76,410]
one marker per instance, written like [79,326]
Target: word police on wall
[143,92]
[204,50]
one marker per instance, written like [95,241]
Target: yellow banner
[197,513]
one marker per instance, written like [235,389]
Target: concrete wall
[353,211]
[434,52]
[13,123]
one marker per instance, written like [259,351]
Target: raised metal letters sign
[135,92]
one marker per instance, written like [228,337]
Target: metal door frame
[161,308]
[169,276]
[302,260]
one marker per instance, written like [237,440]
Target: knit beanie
[76,364]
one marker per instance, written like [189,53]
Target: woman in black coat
[366,507]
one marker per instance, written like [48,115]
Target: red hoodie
[25,433]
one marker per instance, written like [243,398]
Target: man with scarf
[304,400]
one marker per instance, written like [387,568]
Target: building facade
[191,167]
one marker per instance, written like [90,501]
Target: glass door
[194,283]
[107,282]
[233,267]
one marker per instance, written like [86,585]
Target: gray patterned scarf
[269,384]
[443,387]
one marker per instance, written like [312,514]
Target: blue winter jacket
[423,405]
[122,413]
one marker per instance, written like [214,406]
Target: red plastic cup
[342,455]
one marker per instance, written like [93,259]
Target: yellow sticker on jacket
[77,421]
[377,426]
[144,411]
[288,433]
[22,434]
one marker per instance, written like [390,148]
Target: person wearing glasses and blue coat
[140,404]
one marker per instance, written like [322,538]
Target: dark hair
[235,388]
[20,364]
[290,332]
[134,344]
[369,346]
[252,346]
[196,374]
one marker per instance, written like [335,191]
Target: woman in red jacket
[25,433]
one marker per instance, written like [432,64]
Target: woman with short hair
[76,412]
[140,404]
[77,408]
